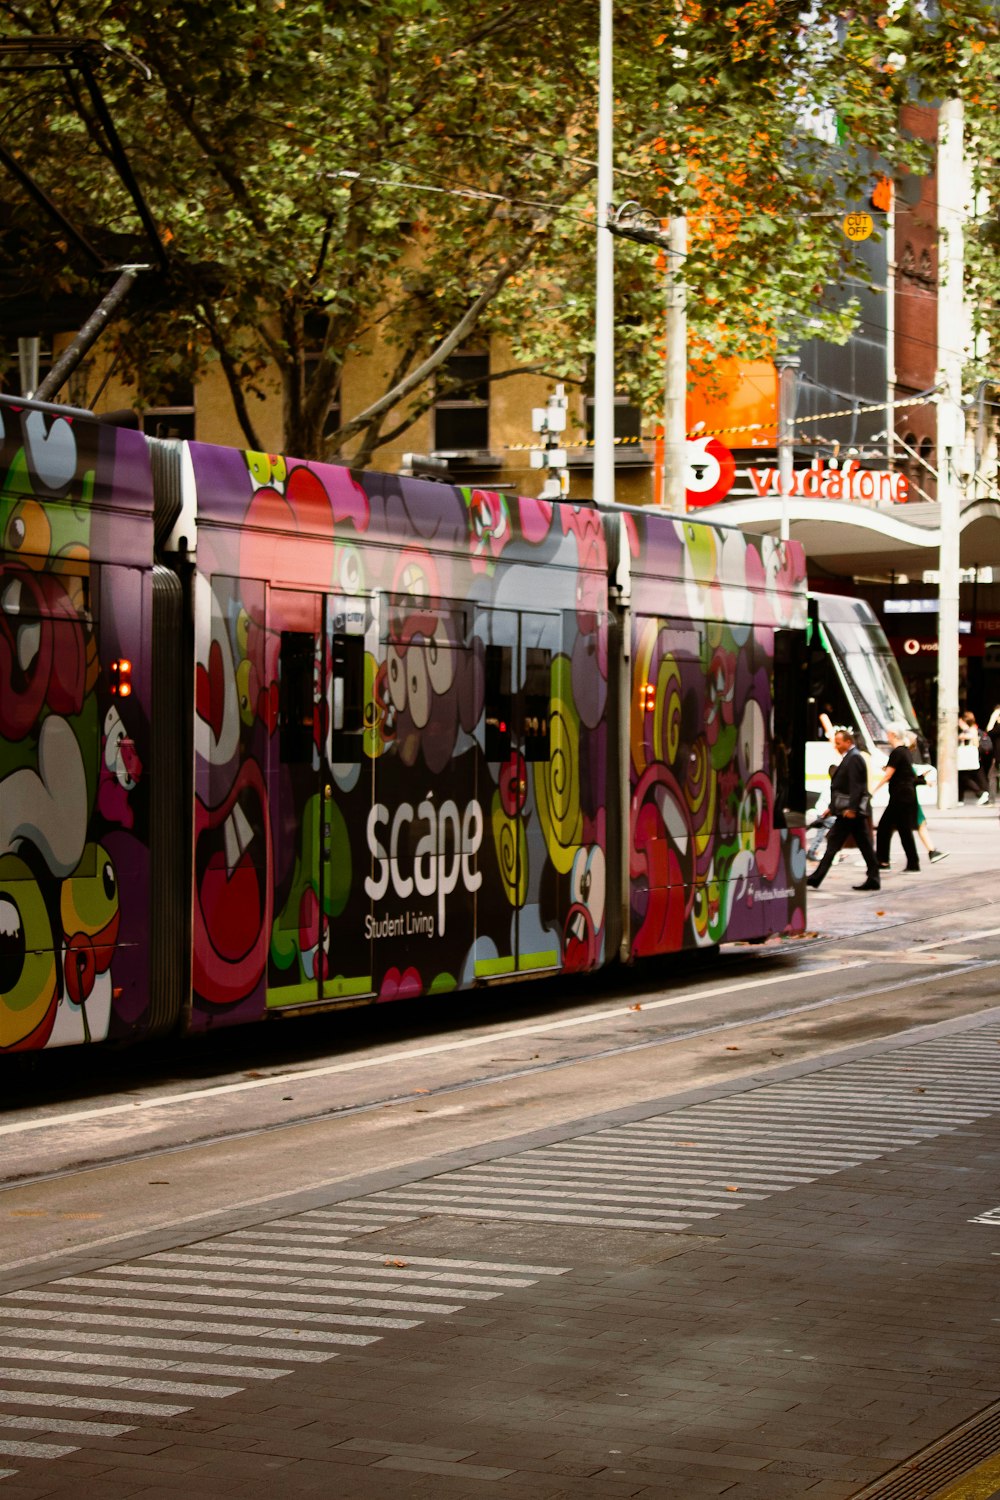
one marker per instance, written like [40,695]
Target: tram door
[319,948]
[516,738]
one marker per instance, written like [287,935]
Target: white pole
[787,366]
[604,330]
[950,434]
[675,397]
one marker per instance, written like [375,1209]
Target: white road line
[452,1285]
[122,1340]
[256,1294]
[138,1362]
[458,1211]
[74,1316]
[487,1039]
[92,1403]
[120,1383]
[524,1176]
[454,1187]
[80,1428]
[34,1450]
[320,1283]
[220,1309]
[260,1242]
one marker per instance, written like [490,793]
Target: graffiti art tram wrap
[277,735]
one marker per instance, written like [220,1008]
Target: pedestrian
[851,806]
[993,730]
[900,816]
[927,777]
[970,759]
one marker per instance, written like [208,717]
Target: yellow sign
[858,226]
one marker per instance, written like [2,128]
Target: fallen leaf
[776,1054]
[732,1049]
[880,913]
[635,1007]
[421,1091]
[732,1189]
[399,1264]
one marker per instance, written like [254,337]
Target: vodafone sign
[711,471]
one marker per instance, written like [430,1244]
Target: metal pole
[604,329]
[27,358]
[787,366]
[950,434]
[88,335]
[675,395]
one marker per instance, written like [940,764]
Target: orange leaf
[399,1264]
[635,1007]
[732,1049]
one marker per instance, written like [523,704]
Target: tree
[330,176]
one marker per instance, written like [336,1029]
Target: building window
[628,418]
[462,410]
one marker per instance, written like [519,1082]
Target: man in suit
[850,803]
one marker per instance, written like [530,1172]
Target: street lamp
[604,325]
[633,222]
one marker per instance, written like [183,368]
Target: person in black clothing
[901,814]
[850,803]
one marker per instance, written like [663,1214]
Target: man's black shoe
[812,881]
[868,885]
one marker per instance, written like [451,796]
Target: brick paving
[799,1348]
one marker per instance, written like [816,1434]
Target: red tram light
[647,697]
[120,674]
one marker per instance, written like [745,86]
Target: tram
[854,679]
[278,736]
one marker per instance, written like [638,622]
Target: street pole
[675,393]
[604,329]
[787,366]
[950,434]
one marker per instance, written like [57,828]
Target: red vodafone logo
[710,473]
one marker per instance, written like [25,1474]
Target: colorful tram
[279,736]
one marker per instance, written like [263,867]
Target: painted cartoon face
[43,653]
[233,881]
[420,678]
[267,469]
[489,526]
[28,971]
[88,904]
[585,919]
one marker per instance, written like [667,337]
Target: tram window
[537,703]
[347,697]
[498,702]
[297,702]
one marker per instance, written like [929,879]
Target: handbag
[840,803]
[968,758]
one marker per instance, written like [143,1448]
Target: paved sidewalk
[829,1318]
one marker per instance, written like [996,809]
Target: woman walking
[900,815]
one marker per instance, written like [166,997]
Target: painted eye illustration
[440,662]
[418,691]
[28,974]
[396,667]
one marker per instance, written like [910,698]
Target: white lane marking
[457,1211]
[264,1250]
[137,1362]
[488,1039]
[93,1403]
[320,1283]
[966,937]
[559,1172]
[81,1428]
[448,1189]
[256,1294]
[34,1450]
[120,1383]
[123,1340]
[381,1256]
[221,1309]
[249,1330]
